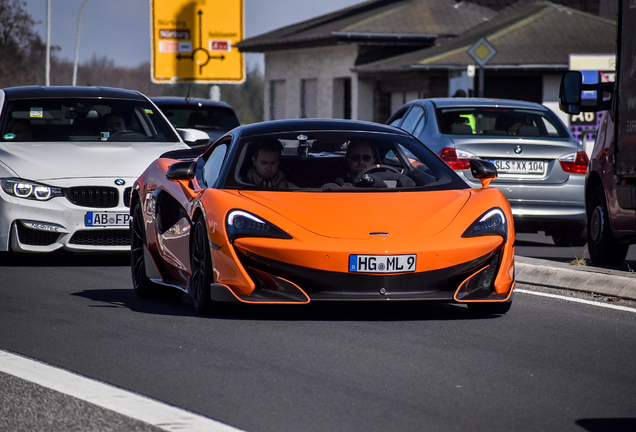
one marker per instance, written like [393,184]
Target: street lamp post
[79,23]
[48,43]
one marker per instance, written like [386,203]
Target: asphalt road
[541,246]
[549,364]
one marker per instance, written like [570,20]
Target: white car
[68,159]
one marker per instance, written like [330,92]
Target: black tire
[144,288]
[201,265]
[574,237]
[490,308]
[603,248]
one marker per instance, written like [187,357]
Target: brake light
[456,159]
[575,163]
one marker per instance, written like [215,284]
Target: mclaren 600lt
[299,211]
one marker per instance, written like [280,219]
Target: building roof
[380,22]
[527,34]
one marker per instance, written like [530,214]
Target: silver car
[541,166]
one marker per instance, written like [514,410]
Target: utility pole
[48,43]
[79,23]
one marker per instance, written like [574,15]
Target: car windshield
[497,121]
[83,119]
[200,117]
[320,161]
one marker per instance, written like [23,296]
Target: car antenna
[188,94]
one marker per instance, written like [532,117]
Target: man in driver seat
[360,156]
[114,122]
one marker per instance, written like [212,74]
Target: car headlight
[30,190]
[240,223]
[493,222]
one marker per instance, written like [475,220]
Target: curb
[597,280]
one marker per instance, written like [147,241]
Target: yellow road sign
[194,41]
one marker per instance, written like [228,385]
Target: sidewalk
[615,283]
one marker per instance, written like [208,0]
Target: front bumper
[45,226]
[470,281]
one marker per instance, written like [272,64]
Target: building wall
[331,67]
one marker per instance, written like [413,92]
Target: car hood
[356,215]
[49,161]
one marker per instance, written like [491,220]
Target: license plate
[382,263]
[106,219]
[519,166]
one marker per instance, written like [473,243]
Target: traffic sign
[482,52]
[195,41]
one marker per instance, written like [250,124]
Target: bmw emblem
[518,150]
[120,182]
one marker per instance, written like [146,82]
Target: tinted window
[69,119]
[201,117]
[398,118]
[498,121]
[412,119]
[315,161]
[212,167]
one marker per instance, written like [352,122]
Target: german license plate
[505,166]
[382,263]
[106,219]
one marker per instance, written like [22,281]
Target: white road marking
[155,413]
[578,300]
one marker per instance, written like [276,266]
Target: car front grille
[93,196]
[32,237]
[101,238]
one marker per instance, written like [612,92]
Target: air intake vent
[93,196]
[101,238]
[34,237]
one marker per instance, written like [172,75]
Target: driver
[360,156]
[114,122]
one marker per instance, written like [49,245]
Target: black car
[213,118]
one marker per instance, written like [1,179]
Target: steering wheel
[128,136]
[376,167]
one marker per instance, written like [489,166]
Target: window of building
[309,98]
[277,100]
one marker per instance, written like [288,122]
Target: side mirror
[194,137]
[181,170]
[570,92]
[483,170]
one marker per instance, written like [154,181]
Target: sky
[120,29]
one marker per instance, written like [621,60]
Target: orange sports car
[295,211]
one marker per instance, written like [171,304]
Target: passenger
[21,129]
[265,171]
[360,156]
[114,122]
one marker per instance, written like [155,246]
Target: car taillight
[456,159]
[575,163]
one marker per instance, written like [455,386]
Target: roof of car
[281,126]
[176,100]
[455,101]
[40,92]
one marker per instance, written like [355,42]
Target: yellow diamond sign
[195,41]
[482,52]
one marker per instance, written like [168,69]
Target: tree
[22,51]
